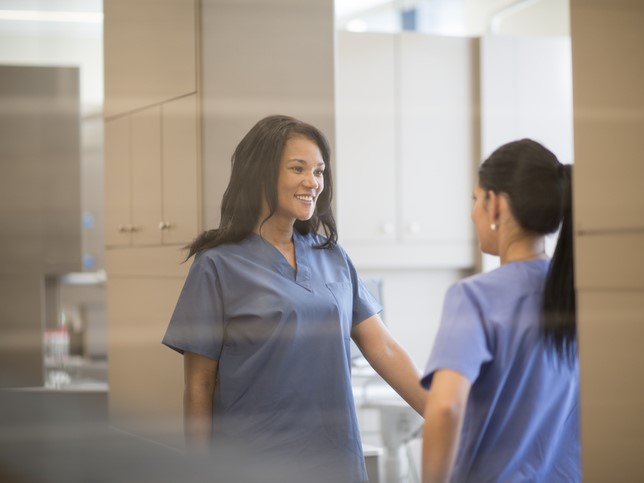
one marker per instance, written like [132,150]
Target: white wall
[413,301]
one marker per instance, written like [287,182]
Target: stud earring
[493,226]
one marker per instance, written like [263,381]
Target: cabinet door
[145,377]
[180,161]
[150,52]
[366,138]
[438,137]
[117,182]
[146,176]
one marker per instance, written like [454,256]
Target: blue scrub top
[282,339]
[522,417]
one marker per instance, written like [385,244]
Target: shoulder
[311,238]
[315,240]
[330,256]
[213,257]
[477,288]
[474,283]
[511,275]
[512,281]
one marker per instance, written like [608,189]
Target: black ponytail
[559,323]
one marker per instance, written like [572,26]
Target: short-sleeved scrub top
[522,421]
[282,339]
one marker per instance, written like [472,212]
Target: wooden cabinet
[118,182]
[146,170]
[150,52]
[151,165]
[180,206]
[145,377]
[407,146]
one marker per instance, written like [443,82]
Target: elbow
[449,411]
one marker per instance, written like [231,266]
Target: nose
[311,181]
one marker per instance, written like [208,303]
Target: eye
[297,169]
[319,172]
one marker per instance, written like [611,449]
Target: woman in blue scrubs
[266,316]
[503,404]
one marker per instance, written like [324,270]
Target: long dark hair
[255,169]
[539,189]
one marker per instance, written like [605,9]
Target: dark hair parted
[255,171]
[539,190]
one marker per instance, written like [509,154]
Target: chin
[305,216]
[486,250]
[492,253]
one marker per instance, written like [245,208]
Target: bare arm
[446,402]
[200,374]
[390,360]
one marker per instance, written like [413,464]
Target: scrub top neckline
[301,274]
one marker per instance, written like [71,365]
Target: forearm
[444,415]
[395,366]
[440,441]
[197,413]
[390,360]
[200,376]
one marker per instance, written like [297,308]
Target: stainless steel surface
[40,208]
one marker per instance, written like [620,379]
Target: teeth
[304,197]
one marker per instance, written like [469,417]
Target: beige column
[608,68]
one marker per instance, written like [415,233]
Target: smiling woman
[266,317]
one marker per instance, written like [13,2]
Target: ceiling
[70,32]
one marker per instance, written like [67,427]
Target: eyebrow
[302,161]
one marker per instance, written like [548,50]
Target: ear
[493,206]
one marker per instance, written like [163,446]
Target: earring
[493,226]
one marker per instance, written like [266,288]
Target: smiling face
[300,180]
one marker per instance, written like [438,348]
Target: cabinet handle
[164,225]
[128,228]
[387,228]
[414,228]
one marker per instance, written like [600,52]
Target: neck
[529,248]
[278,234]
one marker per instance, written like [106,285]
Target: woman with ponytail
[503,372]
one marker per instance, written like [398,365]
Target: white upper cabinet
[407,147]
[366,137]
[438,137]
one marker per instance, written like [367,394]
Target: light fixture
[51,16]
